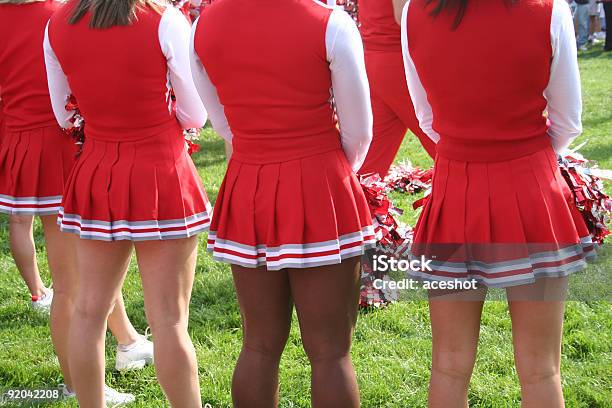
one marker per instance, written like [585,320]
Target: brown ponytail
[458,6]
[109,13]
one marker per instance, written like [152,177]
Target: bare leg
[265,306]
[24,252]
[62,265]
[119,323]
[327,300]
[167,269]
[537,327]
[101,267]
[455,328]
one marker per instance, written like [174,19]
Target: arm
[174,41]
[398,6]
[59,90]
[422,108]
[350,86]
[563,92]
[207,91]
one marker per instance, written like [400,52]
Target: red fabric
[119,99]
[392,109]
[134,167]
[23,80]
[288,183]
[135,181]
[485,91]
[505,211]
[379,30]
[36,162]
[274,83]
[310,200]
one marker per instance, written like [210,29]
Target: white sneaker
[43,303]
[66,393]
[135,356]
[115,398]
[583,48]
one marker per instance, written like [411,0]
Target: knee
[319,349]
[269,346]
[454,364]
[537,370]
[93,308]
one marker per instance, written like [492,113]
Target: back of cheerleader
[270,69]
[499,211]
[134,179]
[35,155]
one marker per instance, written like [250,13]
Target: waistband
[124,135]
[276,149]
[491,150]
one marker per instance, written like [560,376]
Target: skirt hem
[134,230]
[292,255]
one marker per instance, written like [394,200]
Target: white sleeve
[422,108]
[563,92]
[59,90]
[174,41]
[350,86]
[208,92]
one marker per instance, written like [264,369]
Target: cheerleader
[134,183]
[23,250]
[499,212]
[391,105]
[35,158]
[290,217]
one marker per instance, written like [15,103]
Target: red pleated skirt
[296,214]
[147,189]
[501,223]
[34,167]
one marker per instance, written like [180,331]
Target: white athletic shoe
[66,393]
[113,397]
[43,303]
[135,356]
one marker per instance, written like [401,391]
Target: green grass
[392,346]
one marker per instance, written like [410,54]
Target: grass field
[392,346]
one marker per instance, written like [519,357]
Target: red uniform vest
[379,30]
[23,79]
[287,114]
[485,91]
[118,75]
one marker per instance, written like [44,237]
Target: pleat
[321,222]
[561,221]
[19,159]
[290,222]
[86,182]
[121,188]
[478,216]
[355,194]
[450,227]
[273,221]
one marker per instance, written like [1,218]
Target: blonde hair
[109,13]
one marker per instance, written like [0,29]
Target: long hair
[19,1]
[109,13]
[458,6]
